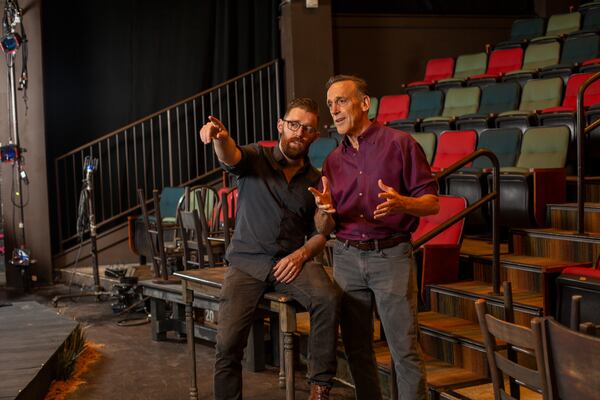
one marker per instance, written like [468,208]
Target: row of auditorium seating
[497,105]
[539,59]
[539,153]
[587,19]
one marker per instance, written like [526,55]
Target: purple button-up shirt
[384,153]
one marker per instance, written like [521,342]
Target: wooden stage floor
[30,336]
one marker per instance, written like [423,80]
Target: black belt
[376,244]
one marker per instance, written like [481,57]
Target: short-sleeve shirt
[384,153]
[273,217]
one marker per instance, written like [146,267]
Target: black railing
[581,130]
[163,149]
[493,196]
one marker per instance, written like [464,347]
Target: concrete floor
[135,367]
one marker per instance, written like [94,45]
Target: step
[458,300]
[564,216]
[529,273]
[591,187]
[440,375]
[556,244]
[472,248]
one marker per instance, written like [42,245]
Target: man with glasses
[375,186]
[274,240]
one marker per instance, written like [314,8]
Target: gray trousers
[388,277]
[240,296]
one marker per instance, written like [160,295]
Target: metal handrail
[581,129]
[493,196]
[163,148]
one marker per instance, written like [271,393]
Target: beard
[294,149]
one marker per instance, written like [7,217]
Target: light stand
[10,43]
[86,201]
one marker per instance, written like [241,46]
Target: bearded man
[274,239]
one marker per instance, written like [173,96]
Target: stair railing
[493,196]
[581,130]
[163,149]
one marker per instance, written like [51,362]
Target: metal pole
[14,137]
[89,187]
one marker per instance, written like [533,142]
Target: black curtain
[108,63]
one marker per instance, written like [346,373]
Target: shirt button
[362,215]
[363,235]
[360,172]
[360,194]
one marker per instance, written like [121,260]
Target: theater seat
[423,104]
[538,94]
[373,108]
[501,62]
[466,65]
[560,25]
[453,146]
[591,21]
[427,140]
[495,98]
[392,108]
[320,149]
[575,50]
[438,258]
[522,31]
[459,101]
[267,143]
[436,69]
[537,179]
[565,114]
[472,183]
[537,56]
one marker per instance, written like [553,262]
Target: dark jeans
[388,276]
[240,296]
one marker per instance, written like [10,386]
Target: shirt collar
[367,136]
[281,161]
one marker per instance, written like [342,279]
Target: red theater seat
[501,61]
[453,146]
[392,108]
[440,255]
[436,69]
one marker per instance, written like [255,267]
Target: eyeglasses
[295,125]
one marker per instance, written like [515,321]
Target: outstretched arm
[225,148]
[396,203]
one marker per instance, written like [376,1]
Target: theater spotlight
[10,43]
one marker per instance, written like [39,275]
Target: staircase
[450,336]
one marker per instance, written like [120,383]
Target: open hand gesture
[323,199]
[394,202]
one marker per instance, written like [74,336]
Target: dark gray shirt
[273,217]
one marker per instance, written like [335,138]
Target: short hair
[305,103]
[361,84]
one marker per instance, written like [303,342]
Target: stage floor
[30,336]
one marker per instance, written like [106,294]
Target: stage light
[10,43]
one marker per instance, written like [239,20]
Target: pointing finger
[216,123]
